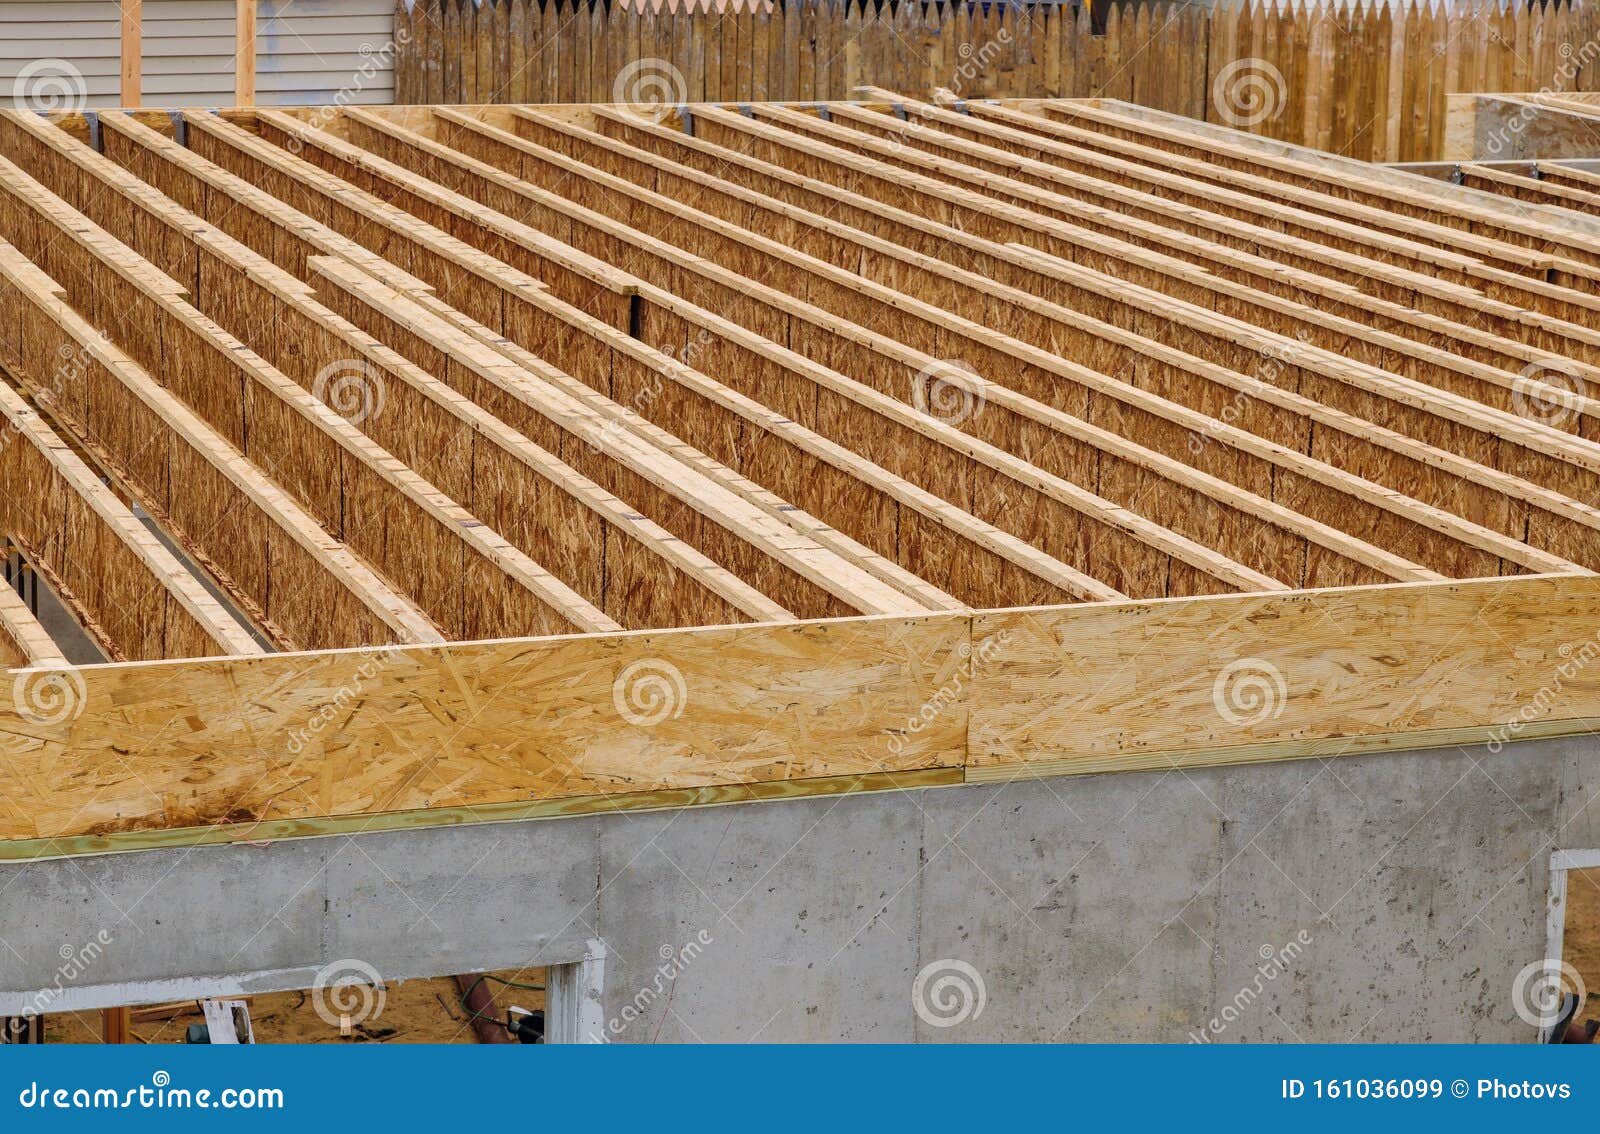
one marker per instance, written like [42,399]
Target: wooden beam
[1356,181]
[1344,501]
[1511,304]
[1562,462]
[992,284]
[244,52]
[467,577]
[295,238]
[1124,542]
[127,590]
[131,53]
[116,1025]
[768,553]
[23,641]
[184,471]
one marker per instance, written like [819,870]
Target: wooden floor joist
[1352,500]
[781,562]
[1113,120]
[983,563]
[24,642]
[438,465]
[128,590]
[1441,478]
[304,584]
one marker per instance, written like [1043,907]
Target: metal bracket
[180,127]
[899,109]
[747,110]
[822,112]
[92,117]
[1456,176]
[688,121]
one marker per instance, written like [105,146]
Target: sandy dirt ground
[417,1011]
[1581,940]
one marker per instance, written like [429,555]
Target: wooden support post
[132,52]
[116,1025]
[244,53]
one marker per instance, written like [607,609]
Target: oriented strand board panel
[294,736]
[1159,684]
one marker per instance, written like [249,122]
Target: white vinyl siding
[86,35]
[321,51]
[307,51]
[188,53]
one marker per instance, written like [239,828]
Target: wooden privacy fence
[1368,82]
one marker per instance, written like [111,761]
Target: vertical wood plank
[132,51]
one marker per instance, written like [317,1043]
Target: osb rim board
[253,749]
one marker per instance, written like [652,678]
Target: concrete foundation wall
[1390,897]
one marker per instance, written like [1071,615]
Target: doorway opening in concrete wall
[354,1005]
[1561,994]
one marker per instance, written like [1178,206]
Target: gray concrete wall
[1399,895]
